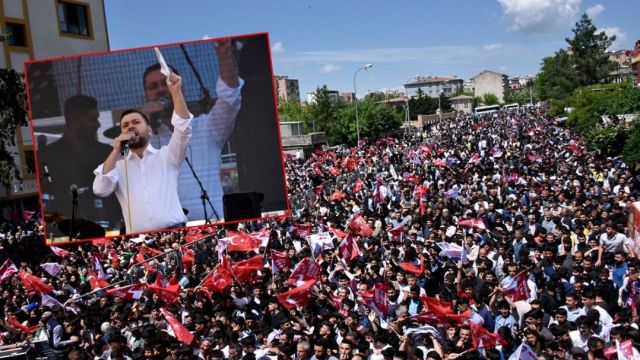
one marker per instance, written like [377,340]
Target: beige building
[462,103]
[37,29]
[287,89]
[490,82]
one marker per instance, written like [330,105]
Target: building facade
[287,89]
[433,86]
[462,103]
[35,29]
[490,82]
[520,82]
[347,97]
[334,96]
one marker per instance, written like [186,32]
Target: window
[73,18]
[17,36]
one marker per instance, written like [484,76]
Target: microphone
[124,145]
[74,192]
[46,173]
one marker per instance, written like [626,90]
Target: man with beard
[145,180]
[211,130]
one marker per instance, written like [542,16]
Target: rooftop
[420,80]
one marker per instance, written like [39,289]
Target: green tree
[375,118]
[630,151]
[322,113]
[382,95]
[556,80]
[422,106]
[585,64]
[490,99]
[591,103]
[520,96]
[13,114]
[445,104]
[290,110]
[588,45]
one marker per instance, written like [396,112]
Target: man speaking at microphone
[145,179]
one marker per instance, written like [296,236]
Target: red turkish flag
[33,283]
[517,287]
[103,241]
[14,323]
[334,171]
[95,281]
[420,191]
[336,196]
[220,278]
[474,223]
[279,260]
[192,237]
[359,226]
[397,233]
[27,215]
[349,249]
[423,207]
[7,270]
[179,331]
[168,296]
[244,269]
[129,292]
[115,261]
[147,251]
[187,257]
[298,296]
[484,338]
[319,189]
[357,187]
[376,299]
[301,230]
[139,259]
[241,241]
[338,233]
[306,270]
[409,267]
[443,311]
[475,158]
[174,284]
[60,251]
[440,163]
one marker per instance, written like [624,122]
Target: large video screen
[114,157]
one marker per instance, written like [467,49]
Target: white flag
[523,352]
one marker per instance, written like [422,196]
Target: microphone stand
[203,196]
[74,209]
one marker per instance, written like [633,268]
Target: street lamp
[355,99]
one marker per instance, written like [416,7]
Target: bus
[514,106]
[486,109]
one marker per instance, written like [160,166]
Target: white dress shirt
[210,134]
[152,182]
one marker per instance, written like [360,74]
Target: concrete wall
[49,42]
[490,82]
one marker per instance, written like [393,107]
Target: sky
[324,42]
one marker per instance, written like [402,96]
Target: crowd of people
[490,237]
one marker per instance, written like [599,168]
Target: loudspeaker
[242,206]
